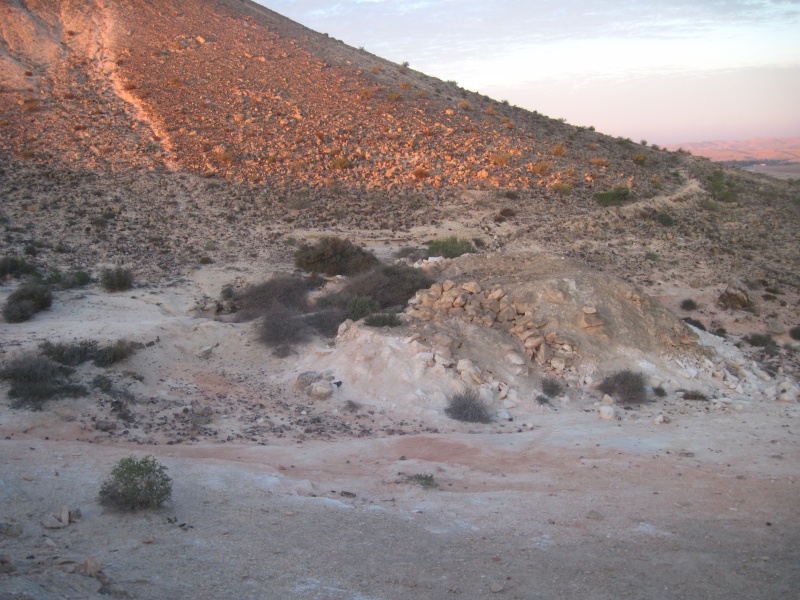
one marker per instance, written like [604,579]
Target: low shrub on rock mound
[388,285]
[626,387]
[26,301]
[35,379]
[467,406]
[334,256]
[135,484]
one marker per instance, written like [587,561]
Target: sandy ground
[280,497]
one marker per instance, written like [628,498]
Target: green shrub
[116,352]
[15,267]
[136,483]
[626,387]
[651,256]
[26,301]
[659,391]
[450,247]
[388,285]
[116,280]
[467,406]
[285,290]
[794,333]
[721,188]
[383,320]
[552,387]
[35,379]
[334,256]
[613,198]
[689,305]
[760,340]
[361,306]
[423,480]
[665,219]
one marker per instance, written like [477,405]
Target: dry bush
[464,105]
[451,247]
[359,307]
[501,159]
[383,320]
[116,280]
[552,387]
[561,188]
[558,150]
[388,285]
[420,173]
[332,255]
[326,322]
[614,197]
[285,290]
[639,159]
[281,327]
[26,301]
[540,168]
[340,163]
[467,406]
[394,96]
[626,387]
[35,379]
[70,355]
[599,162]
[116,352]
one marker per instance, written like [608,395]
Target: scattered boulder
[736,296]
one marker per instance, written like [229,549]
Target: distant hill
[755,150]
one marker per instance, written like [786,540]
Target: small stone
[593,514]
[496,588]
[515,359]
[608,399]
[589,310]
[661,420]
[607,413]
[473,287]
[90,567]
[320,390]
[205,352]
[52,522]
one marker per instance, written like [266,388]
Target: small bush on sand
[136,484]
[665,219]
[116,280]
[286,290]
[334,256]
[35,379]
[26,301]
[467,406]
[383,320]
[794,333]
[659,391]
[282,326]
[613,198]
[552,387]
[760,340]
[388,285]
[688,305]
[626,387]
[423,480]
[15,267]
[451,247]
[361,306]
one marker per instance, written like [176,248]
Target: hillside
[197,145]
[755,150]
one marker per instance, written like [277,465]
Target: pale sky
[665,71]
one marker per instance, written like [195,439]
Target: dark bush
[388,285]
[689,305]
[282,326]
[693,395]
[720,187]
[409,252]
[760,340]
[467,406]
[15,267]
[116,280]
[334,256]
[116,352]
[794,333]
[695,323]
[626,387]
[70,354]
[451,247]
[326,322]
[383,320]
[613,198]
[285,290]
[26,301]
[35,379]
[659,391]
[136,483]
[361,306]
[552,387]
[665,219]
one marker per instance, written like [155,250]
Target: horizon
[684,73]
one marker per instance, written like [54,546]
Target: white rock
[607,413]
[205,352]
[608,400]
[464,364]
[320,390]
[515,359]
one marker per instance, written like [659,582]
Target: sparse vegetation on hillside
[688,304]
[35,379]
[614,197]
[284,290]
[15,267]
[116,280]
[720,187]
